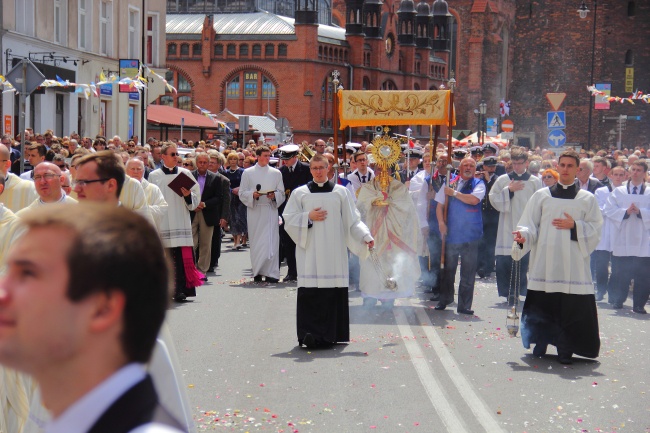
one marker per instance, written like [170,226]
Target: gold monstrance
[386,151]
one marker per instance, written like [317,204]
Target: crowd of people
[564,231]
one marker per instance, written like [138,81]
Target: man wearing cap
[294,174]
[413,159]
[509,196]
[491,149]
[490,220]
[457,156]
[477,153]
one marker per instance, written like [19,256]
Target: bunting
[636,96]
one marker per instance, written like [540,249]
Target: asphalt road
[410,369]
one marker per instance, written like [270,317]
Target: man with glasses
[319,146]
[18,193]
[322,220]
[584,179]
[509,196]
[262,192]
[362,174]
[48,180]
[176,224]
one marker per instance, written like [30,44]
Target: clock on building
[390,44]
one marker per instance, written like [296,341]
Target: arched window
[269,50]
[233,88]
[231,51]
[268,89]
[366,83]
[243,50]
[250,84]
[388,85]
[183,84]
[257,50]
[218,50]
[327,90]
[169,77]
[171,49]
[282,50]
[196,49]
[629,58]
[167,100]
[416,86]
[185,49]
[185,103]
[631,9]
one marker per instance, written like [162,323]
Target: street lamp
[482,109]
[583,10]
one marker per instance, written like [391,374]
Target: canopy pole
[452,86]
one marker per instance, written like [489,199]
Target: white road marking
[478,407]
[447,413]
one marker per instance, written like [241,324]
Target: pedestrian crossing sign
[555,120]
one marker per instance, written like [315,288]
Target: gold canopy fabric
[394,107]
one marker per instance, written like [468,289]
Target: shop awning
[170,116]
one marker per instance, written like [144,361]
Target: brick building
[255,62]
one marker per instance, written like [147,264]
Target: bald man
[48,180]
[18,193]
[135,168]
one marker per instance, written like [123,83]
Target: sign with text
[9,129]
[129,68]
[600,101]
[629,80]
[491,126]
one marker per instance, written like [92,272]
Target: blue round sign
[556,138]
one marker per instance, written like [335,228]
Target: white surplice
[558,264]
[630,236]
[18,193]
[262,218]
[156,201]
[175,226]
[605,243]
[132,197]
[321,255]
[510,209]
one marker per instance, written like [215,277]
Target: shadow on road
[548,364]
[299,354]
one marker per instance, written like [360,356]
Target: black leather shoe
[257,278]
[470,312]
[640,310]
[540,349]
[435,298]
[180,297]
[290,278]
[565,358]
[272,280]
[440,307]
[309,341]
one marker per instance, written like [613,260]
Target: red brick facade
[504,49]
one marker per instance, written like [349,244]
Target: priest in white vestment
[322,220]
[262,192]
[18,193]
[48,180]
[509,196]
[153,194]
[561,227]
[176,226]
[394,224]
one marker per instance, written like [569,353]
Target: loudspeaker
[379,129]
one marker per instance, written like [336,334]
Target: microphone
[258,187]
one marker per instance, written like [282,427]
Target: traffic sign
[555,120]
[556,99]
[507,125]
[507,135]
[556,138]
[34,77]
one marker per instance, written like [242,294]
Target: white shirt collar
[85,412]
